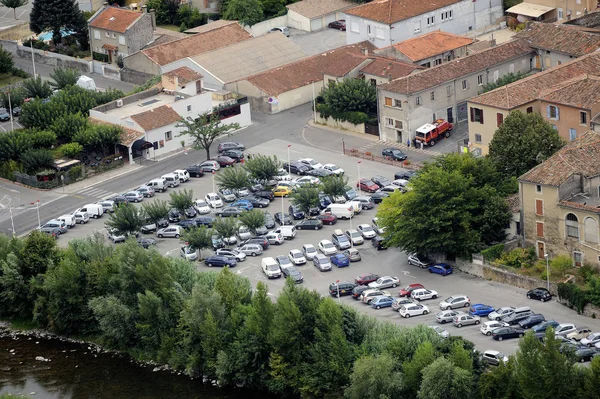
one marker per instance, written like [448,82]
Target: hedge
[492,253]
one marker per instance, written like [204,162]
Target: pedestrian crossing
[95,192]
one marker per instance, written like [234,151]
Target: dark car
[515,318]
[443,269]
[266,194]
[309,224]
[237,155]
[119,199]
[394,153]
[367,185]
[224,160]
[531,320]
[191,212]
[544,325]
[405,175]
[269,221]
[283,219]
[221,261]
[195,171]
[328,218]
[340,24]
[296,168]
[319,173]
[583,355]
[365,279]
[507,332]
[257,202]
[5,116]
[293,273]
[187,223]
[146,242]
[341,288]
[174,216]
[350,193]
[16,111]
[230,211]
[205,220]
[381,181]
[379,243]
[296,212]
[358,290]
[217,242]
[230,145]
[262,241]
[379,196]
[539,293]
[53,232]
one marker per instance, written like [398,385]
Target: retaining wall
[46,57]
[344,125]
[262,28]
[135,77]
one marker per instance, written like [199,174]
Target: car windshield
[397,152]
[310,249]
[367,228]
[327,245]
[297,255]
[354,234]
[272,267]
[201,203]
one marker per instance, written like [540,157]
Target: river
[72,370]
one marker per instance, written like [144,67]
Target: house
[429,49]
[552,10]
[117,32]
[299,82]
[560,202]
[386,22]
[150,118]
[239,60]
[567,96]
[149,61]
[442,91]
[312,15]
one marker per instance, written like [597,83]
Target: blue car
[481,310]
[382,302]
[218,260]
[443,269]
[243,204]
[340,260]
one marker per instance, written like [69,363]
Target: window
[477,138]
[388,101]
[369,29]
[496,75]
[539,207]
[398,124]
[446,15]
[572,134]
[449,90]
[465,85]
[552,112]
[426,65]
[107,34]
[499,119]
[189,108]
[398,103]
[538,188]
[438,61]
[577,258]
[432,95]
[583,117]
[389,122]
[96,34]
[560,14]
[539,229]
[529,110]
[572,226]
[168,136]
[591,230]
[114,35]
[122,40]
[476,115]
[430,21]
[373,82]
[418,100]
[479,80]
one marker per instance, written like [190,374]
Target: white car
[591,339]
[213,200]
[442,332]
[564,328]
[501,313]
[385,282]
[366,230]
[355,237]
[309,251]
[188,253]
[202,207]
[336,170]
[422,294]
[232,253]
[489,326]
[368,295]
[282,175]
[415,309]
[376,227]
[392,188]
[494,358]
[297,257]
[306,180]
[400,183]
[244,233]
[311,162]
[116,237]
[326,247]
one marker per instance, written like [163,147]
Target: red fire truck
[431,133]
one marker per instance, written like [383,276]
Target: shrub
[561,264]
[75,172]
[574,295]
[586,272]
[37,44]
[492,253]
[71,150]
[20,73]
[518,257]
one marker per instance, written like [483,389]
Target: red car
[339,24]
[328,218]
[225,161]
[406,291]
[365,279]
[367,185]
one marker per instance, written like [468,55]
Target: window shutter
[481,120]
[539,207]
[540,229]
[472,114]
[557,114]
[499,118]
[388,101]
[548,111]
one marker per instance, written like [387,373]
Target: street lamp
[358,181]
[547,272]
[337,284]
[38,212]
[289,165]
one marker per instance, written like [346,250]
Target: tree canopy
[262,167]
[204,130]
[14,4]
[248,12]
[57,15]
[233,178]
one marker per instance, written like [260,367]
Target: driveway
[318,42]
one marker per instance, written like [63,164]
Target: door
[461,112]
[450,117]
[541,249]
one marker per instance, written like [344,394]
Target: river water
[74,370]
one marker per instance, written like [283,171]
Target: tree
[233,178]
[127,219]
[35,160]
[273,8]
[423,357]
[461,357]
[14,144]
[591,380]
[17,96]
[248,12]
[350,95]
[182,200]
[204,130]
[37,88]
[99,136]
[42,138]
[375,377]
[443,380]
[252,219]
[71,150]
[561,264]
[225,227]
[64,77]
[529,136]
[39,115]
[57,15]
[198,238]
[503,81]
[306,198]
[68,126]
[14,4]
[334,185]
[6,60]
[262,167]
[156,210]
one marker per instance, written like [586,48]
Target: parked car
[381,181]
[385,282]
[283,261]
[366,231]
[339,239]
[539,293]
[382,302]
[399,302]
[242,204]
[544,325]
[355,237]
[340,260]
[503,333]
[213,200]
[455,301]
[446,316]
[283,29]
[296,168]
[266,194]
[405,174]
[366,279]
[580,333]
[306,181]
[115,236]
[515,318]
[368,295]
[352,254]
[423,294]
[309,224]
[591,340]
[501,312]
[379,196]
[256,201]
[481,310]
[367,185]
[221,261]
[234,154]
[366,201]
[341,288]
[334,169]
[322,262]
[293,273]
[195,170]
[443,269]
[226,195]
[419,260]
[146,242]
[282,191]
[414,309]
[53,232]
[583,355]
[230,211]
[442,332]
[187,253]
[379,243]
[174,216]
[190,212]
[283,219]
[171,231]
[564,328]
[205,220]
[230,145]
[358,290]
[309,251]
[232,253]
[146,191]
[251,249]
[326,247]
[134,196]
[394,153]
[493,358]
[340,24]
[407,291]
[262,241]
[201,207]
[465,320]
[328,218]
[5,116]
[489,326]
[187,224]
[319,173]
[210,166]
[297,257]
[224,161]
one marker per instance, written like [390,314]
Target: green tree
[42,138]
[204,130]
[64,77]
[14,289]
[591,380]
[14,4]
[529,354]
[156,210]
[334,185]
[528,135]
[127,219]
[252,219]
[503,81]
[37,88]
[262,167]
[101,136]
[68,126]
[198,238]
[233,178]
[248,12]
[306,198]
[71,150]
[6,60]
[350,95]
[499,383]
[166,11]
[273,8]
[461,357]
[116,321]
[225,227]
[423,357]
[233,289]
[561,263]
[443,380]
[38,254]
[39,115]
[17,96]
[55,15]
[35,160]
[182,200]
[13,144]
[375,377]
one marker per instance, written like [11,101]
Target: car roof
[492,352]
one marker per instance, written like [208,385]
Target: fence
[372,157]
[264,27]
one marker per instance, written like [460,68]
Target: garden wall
[264,27]
[344,125]
[46,57]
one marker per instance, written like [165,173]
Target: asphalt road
[7,16]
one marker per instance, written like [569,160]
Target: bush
[518,257]
[561,264]
[71,150]
[20,73]
[75,172]
[492,253]
[99,56]
[586,272]
[37,44]
[574,295]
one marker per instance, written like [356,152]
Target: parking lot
[388,262]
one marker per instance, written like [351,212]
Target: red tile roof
[156,117]
[386,67]
[581,92]
[184,75]
[566,39]
[576,205]
[430,44]
[579,157]
[452,70]
[115,19]
[391,11]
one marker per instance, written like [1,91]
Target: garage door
[316,24]
[461,111]
[329,18]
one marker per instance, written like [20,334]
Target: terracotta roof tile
[449,71]
[197,44]
[156,117]
[576,205]
[386,67]
[560,38]
[579,157]
[184,75]
[528,89]
[317,8]
[580,92]
[115,19]
[128,136]
[391,11]
[431,44]
[210,26]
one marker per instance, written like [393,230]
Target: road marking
[239,271]
[407,274]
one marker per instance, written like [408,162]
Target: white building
[385,22]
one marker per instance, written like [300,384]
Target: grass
[23,325]
[8,79]
[170,27]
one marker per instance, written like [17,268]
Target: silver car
[465,320]
[251,249]
[134,196]
[446,316]
[146,191]
[455,301]
[188,253]
[322,262]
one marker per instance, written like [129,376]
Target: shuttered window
[388,101]
[539,229]
[499,118]
[539,207]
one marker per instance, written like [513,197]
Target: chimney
[389,77]
[104,5]
[366,51]
[144,9]
[153,14]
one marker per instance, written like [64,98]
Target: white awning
[530,10]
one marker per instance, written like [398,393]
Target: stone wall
[140,34]
[343,125]
[135,77]
[46,57]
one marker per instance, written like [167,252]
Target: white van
[69,220]
[93,210]
[159,185]
[356,205]
[270,268]
[183,174]
[172,179]
[81,217]
[342,211]
[108,205]
[288,232]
